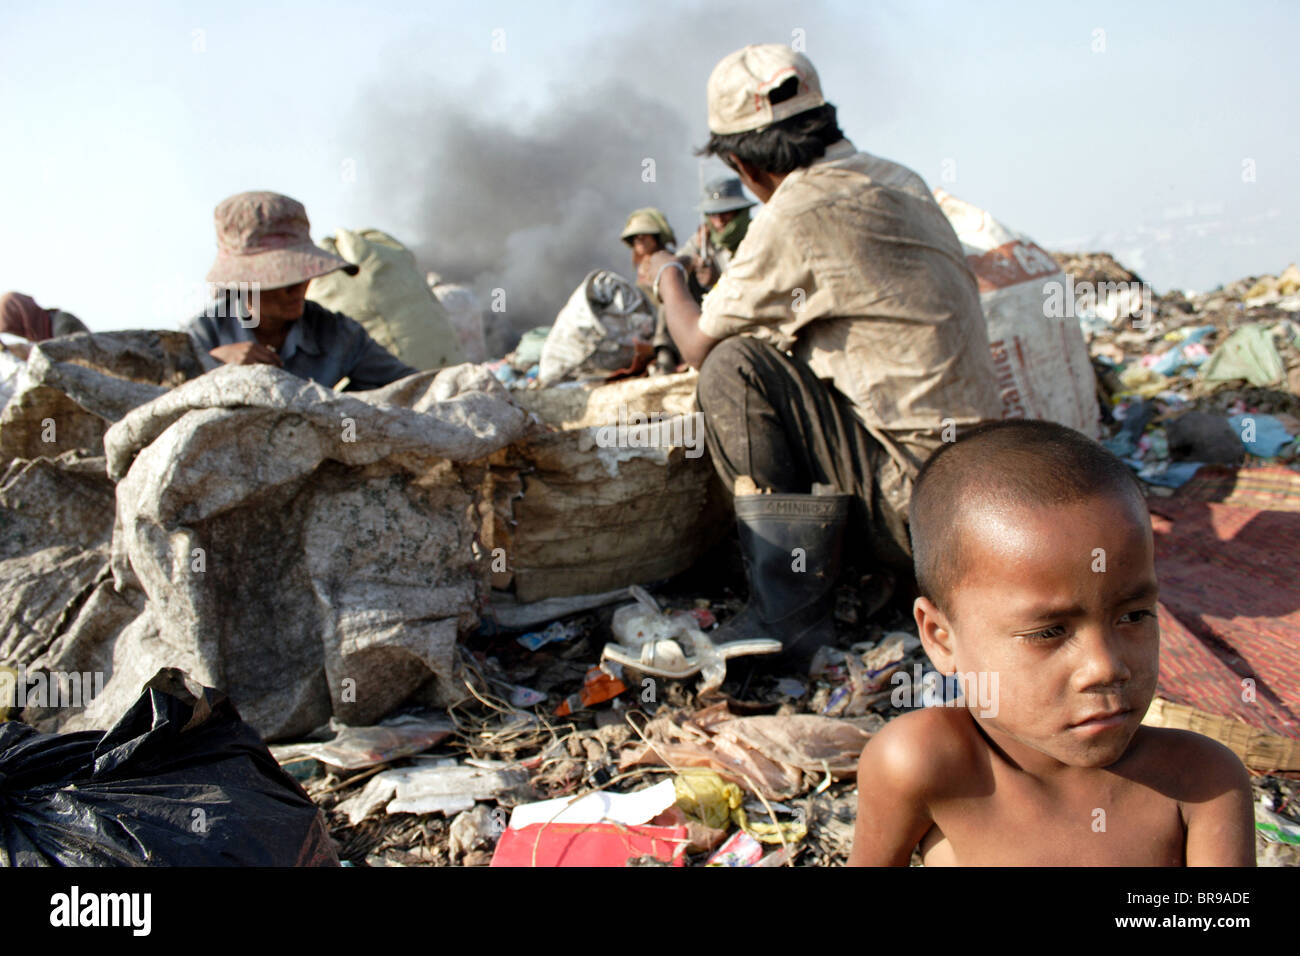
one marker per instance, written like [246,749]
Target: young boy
[1034,556]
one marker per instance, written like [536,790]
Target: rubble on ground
[600,748]
[1218,369]
[90,580]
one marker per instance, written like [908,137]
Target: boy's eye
[1046,634]
[1133,617]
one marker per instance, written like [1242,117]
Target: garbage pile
[145,531]
[607,738]
[1211,378]
[558,760]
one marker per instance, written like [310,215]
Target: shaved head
[1007,465]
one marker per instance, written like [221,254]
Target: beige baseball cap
[739,86]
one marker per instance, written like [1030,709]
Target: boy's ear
[936,635]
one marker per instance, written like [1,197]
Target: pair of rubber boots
[792,546]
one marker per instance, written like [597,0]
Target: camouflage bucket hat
[648,221]
[265,238]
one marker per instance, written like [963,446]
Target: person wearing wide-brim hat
[261,315]
[725,209]
[646,232]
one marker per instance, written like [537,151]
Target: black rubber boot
[791,545]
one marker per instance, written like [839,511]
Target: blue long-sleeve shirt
[323,346]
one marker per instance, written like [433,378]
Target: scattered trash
[443,786]
[708,798]
[1170,474]
[355,748]
[629,809]
[1249,354]
[779,857]
[556,632]
[1205,438]
[1263,435]
[590,844]
[651,643]
[740,850]
[1274,827]
[525,696]
[1271,289]
[775,756]
[782,831]
[791,687]
[598,687]
[474,834]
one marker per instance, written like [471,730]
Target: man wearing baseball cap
[265,261]
[842,345]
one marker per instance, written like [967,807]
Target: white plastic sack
[466,316]
[601,330]
[1039,355]
[390,298]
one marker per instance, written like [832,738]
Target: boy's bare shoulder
[1186,765]
[924,750]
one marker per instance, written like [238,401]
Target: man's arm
[373,366]
[892,783]
[1220,828]
[208,340]
[679,307]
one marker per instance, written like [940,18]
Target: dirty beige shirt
[852,267]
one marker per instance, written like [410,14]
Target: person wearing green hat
[647,232]
[726,211]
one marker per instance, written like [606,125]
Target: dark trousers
[768,416]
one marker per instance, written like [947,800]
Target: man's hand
[706,273]
[649,267]
[682,313]
[245,353]
[702,264]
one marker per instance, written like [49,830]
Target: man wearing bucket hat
[842,346]
[265,261]
[647,232]
[726,211]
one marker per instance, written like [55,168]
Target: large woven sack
[390,298]
[1039,355]
[604,329]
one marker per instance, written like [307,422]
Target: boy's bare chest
[1116,823]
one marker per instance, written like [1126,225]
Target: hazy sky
[1164,134]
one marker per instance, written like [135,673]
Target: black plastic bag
[179,781]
